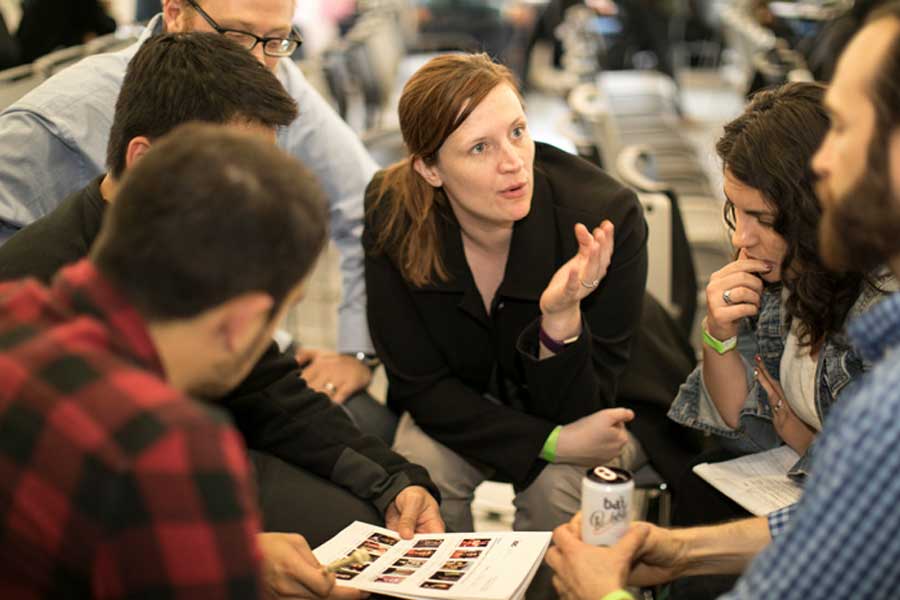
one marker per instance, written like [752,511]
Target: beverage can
[606,498]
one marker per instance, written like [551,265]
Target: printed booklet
[476,566]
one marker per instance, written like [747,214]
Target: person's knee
[559,485]
[453,482]
[454,475]
[553,497]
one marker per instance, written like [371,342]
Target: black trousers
[294,500]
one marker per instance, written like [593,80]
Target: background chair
[16,82]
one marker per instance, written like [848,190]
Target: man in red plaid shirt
[115,482]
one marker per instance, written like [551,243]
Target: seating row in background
[362,74]
[630,122]
[18,81]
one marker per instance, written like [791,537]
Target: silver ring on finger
[589,284]
[330,388]
[726,296]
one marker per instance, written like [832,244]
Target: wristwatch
[370,360]
[720,346]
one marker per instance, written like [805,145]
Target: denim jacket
[838,366]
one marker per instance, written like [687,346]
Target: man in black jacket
[315,471]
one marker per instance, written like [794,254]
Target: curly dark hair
[769,148]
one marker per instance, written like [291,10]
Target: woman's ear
[428,173]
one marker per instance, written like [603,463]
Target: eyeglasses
[272,46]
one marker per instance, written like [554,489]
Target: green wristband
[548,452]
[720,346]
[618,595]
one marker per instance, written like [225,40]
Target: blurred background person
[48,25]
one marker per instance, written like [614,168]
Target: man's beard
[860,230]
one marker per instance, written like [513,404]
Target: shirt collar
[83,289]
[154,27]
[877,330]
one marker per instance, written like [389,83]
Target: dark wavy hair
[770,148]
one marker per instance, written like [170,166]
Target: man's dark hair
[207,214]
[179,77]
[770,148]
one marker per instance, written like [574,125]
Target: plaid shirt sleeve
[844,535]
[182,520]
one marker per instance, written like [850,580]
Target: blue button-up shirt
[843,537]
[54,143]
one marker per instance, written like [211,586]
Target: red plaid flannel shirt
[112,483]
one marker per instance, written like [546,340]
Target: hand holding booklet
[468,566]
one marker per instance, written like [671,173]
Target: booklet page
[476,566]
[758,482]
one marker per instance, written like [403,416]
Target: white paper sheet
[468,566]
[758,482]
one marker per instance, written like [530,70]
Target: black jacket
[273,408]
[472,380]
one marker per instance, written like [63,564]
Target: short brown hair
[434,103]
[175,78]
[210,213]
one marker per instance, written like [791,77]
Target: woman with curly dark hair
[775,358]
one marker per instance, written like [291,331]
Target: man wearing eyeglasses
[64,124]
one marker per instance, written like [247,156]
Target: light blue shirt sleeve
[330,148]
[28,191]
[54,138]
